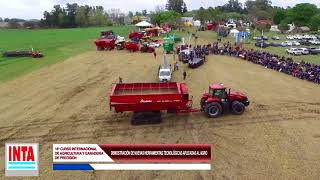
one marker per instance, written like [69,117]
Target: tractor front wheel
[237,107]
[213,110]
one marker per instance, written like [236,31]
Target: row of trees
[304,14]
[74,15]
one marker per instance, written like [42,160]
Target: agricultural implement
[136,35]
[131,46]
[168,47]
[105,44]
[147,100]
[106,33]
[146,48]
[172,38]
[34,54]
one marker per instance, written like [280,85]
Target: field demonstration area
[278,137]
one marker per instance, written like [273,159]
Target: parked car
[262,44]
[264,37]
[315,42]
[294,51]
[305,42]
[257,38]
[314,50]
[295,43]
[290,37]
[275,44]
[304,51]
[275,37]
[286,43]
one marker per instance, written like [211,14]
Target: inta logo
[22,159]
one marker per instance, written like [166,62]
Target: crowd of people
[302,70]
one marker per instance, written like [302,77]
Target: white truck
[165,71]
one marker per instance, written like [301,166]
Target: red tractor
[132,46]
[147,48]
[106,33]
[219,100]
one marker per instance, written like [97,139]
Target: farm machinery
[106,33]
[168,47]
[34,54]
[147,48]
[131,46]
[147,100]
[136,35]
[105,44]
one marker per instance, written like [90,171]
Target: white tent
[144,24]
[234,32]
[197,23]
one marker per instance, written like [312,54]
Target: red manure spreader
[147,100]
[131,46]
[105,44]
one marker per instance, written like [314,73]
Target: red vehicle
[105,43]
[136,35]
[106,33]
[218,100]
[131,46]
[147,48]
[147,100]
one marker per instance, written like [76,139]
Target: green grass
[60,44]
[56,45]
[210,36]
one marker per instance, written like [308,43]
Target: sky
[33,9]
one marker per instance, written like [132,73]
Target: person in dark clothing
[155,55]
[120,79]
[184,75]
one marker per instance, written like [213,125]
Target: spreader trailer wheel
[213,109]
[147,117]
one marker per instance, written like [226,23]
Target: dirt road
[278,137]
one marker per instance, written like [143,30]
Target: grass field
[56,45]
[60,44]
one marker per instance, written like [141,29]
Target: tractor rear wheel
[213,109]
[237,107]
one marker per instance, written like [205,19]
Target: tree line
[74,15]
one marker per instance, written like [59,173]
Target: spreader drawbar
[167,166]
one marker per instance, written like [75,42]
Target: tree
[81,17]
[259,9]
[283,26]
[130,14]
[164,17]
[144,12]
[315,22]
[1,20]
[301,14]
[279,15]
[201,15]
[233,6]
[178,6]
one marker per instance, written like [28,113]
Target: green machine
[168,46]
[173,38]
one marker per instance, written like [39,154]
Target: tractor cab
[218,91]
[219,99]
